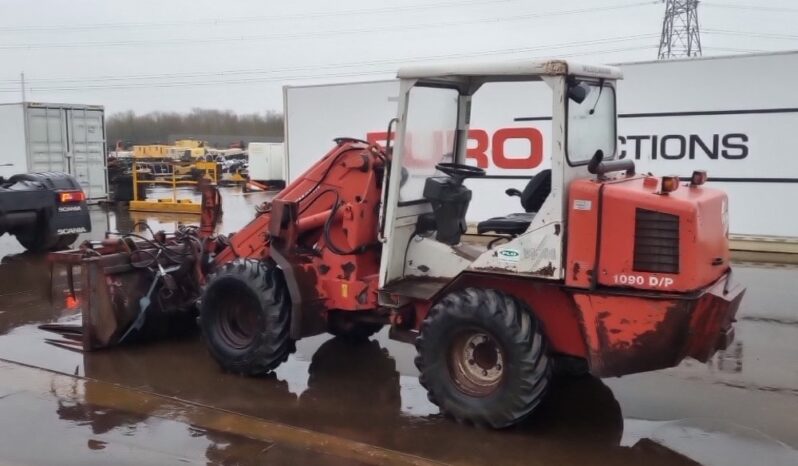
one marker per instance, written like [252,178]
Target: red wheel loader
[602,269]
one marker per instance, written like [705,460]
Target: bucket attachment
[127,288]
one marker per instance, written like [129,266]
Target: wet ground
[334,403]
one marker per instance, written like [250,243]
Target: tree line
[156,127]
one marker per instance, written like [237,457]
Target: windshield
[429,138]
[591,123]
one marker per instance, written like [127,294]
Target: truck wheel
[245,317]
[65,241]
[38,240]
[345,326]
[483,358]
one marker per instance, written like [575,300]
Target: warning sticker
[583,204]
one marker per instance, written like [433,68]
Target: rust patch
[659,347]
[493,269]
[546,271]
[323,269]
[557,229]
[577,267]
[423,268]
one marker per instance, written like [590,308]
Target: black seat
[533,196]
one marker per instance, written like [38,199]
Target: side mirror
[513,192]
[577,92]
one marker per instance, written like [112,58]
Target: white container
[40,137]
[266,161]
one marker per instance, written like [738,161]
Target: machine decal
[582,204]
[509,255]
[71,208]
[68,231]
[640,280]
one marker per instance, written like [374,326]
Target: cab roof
[507,70]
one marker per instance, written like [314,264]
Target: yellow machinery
[152,151]
[144,174]
[190,148]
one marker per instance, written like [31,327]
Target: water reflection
[354,391]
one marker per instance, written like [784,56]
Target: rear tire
[245,317]
[483,358]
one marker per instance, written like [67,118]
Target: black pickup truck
[45,211]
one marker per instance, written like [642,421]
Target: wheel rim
[476,363]
[238,323]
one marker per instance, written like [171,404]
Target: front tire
[483,358]
[245,317]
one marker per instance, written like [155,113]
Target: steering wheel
[460,171]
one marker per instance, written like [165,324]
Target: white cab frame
[539,251]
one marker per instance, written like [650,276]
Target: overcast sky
[147,55]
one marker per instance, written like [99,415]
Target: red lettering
[531,160]
[478,153]
[481,151]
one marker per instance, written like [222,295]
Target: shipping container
[40,137]
[731,116]
[266,162]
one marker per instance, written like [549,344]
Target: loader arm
[129,283]
[313,194]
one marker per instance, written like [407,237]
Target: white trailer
[732,116]
[267,162]
[67,138]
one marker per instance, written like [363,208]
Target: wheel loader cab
[424,216]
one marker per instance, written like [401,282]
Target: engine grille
[656,242]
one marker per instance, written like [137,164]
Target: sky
[175,55]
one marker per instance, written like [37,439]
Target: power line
[247,19]
[763,35]
[351,74]
[735,49]
[738,6]
[300,35]
[394,61]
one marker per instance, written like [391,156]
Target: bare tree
[155,127]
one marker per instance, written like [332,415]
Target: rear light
[71,196]
[699,177]
[669,184]
[71,302]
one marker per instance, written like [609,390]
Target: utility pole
[681,36]
[22,82]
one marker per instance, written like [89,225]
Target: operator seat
[533,196]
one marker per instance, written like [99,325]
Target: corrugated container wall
[37,137]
